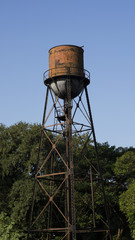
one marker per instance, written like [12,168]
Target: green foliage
[125,165]
[127,206]
[125,170]
[18,155]
[19,145]
[8,230]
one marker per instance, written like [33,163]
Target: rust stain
[63,57]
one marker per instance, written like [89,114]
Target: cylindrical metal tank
[66,61]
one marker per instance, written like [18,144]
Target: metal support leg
[99,169]
[70,154]
[34,187]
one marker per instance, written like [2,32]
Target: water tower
[67,117]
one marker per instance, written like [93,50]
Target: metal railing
[66,71]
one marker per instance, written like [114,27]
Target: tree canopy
[19,145]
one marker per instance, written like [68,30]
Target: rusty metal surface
[72,216]
[66,56]
[64,61]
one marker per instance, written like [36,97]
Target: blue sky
[29,28]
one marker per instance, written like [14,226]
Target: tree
[8,230]
[125,171]
[19,146]
[18,156]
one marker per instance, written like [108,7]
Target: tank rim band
[64,45]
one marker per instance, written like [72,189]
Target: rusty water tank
[66,61]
